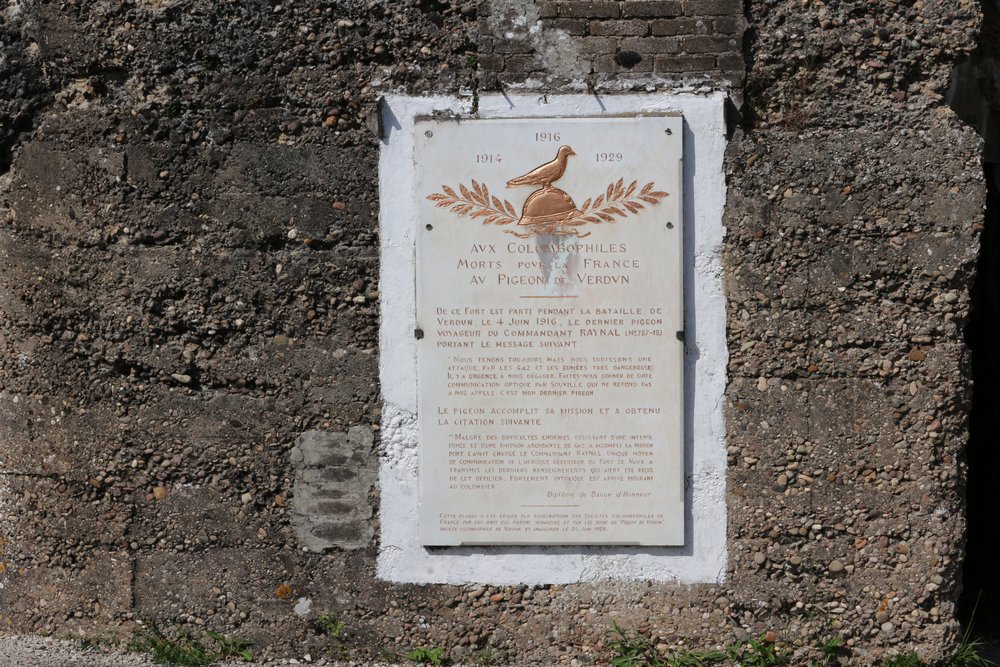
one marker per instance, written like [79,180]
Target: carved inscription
[550,373]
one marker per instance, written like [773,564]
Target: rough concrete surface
[189,282]
[34,651]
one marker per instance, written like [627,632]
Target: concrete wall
[190,285]
[854,216]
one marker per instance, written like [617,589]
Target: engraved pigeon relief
[546,174]
[548,210]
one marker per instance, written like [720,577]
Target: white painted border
[703,557]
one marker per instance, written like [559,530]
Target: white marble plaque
[549,309]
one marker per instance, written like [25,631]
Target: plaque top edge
[441,118]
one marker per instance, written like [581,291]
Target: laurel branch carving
[477,203]
[617,197]
[617,202]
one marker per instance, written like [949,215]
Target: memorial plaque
[549,318]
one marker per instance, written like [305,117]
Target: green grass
[967,654]
[640,651]
[756,653]
[829,650]
[426,656]
[92,644]
[333,627]
[186,650]
[633,650]
[903,660]
[330,625]
[637,650]
[230,647]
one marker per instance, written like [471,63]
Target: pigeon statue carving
[546,174]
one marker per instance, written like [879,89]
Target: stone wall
[854,215]
[188,260]
[584,42]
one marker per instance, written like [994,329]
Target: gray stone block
[731,62]
[683,63]
[729,25]
[634,28]
[334,473]
[594,9]
[671,27]
[651,44]
[652,8]
[707,44]
[713,7]
[576,27]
